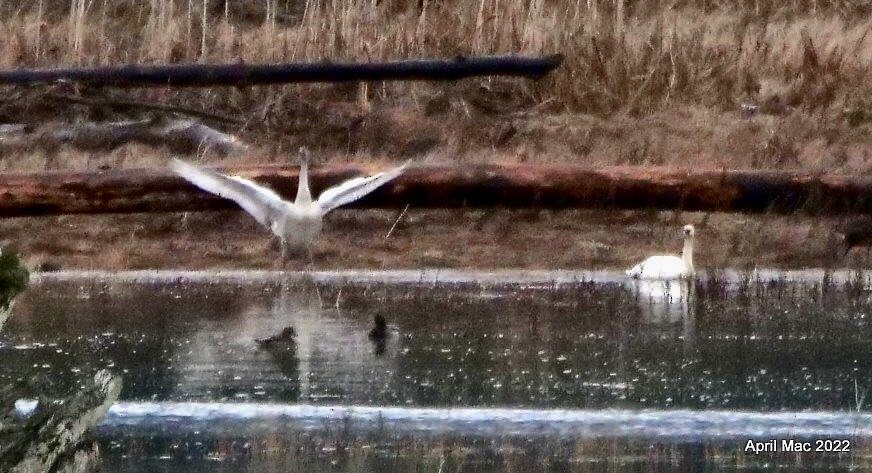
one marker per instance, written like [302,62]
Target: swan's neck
[304,196]
[687,252]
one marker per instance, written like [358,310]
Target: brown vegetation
[637,59]
[634,57]
[429,238]
[637,74]
[710,84]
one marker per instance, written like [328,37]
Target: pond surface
[564,375]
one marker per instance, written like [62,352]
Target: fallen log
[51,438]
[180,136]
[468,186]
[205,75]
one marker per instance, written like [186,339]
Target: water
[565,375]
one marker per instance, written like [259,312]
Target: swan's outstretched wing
[262,203]
[356,188]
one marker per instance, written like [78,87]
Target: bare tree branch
[181,136]
[142,105]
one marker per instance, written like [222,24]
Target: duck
[379,334]
[297,224]
[286,337]
[379,330]
[668,267]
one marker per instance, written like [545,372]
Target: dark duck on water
[286,337]
[379,334]
[380,329]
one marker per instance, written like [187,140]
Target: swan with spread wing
[297,224]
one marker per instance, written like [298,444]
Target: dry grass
[645,82]
[478,239]
[634,57]
[695,137]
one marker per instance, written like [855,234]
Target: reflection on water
[767,347]
[665,303]
[586,345]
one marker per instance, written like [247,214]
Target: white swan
[298,223]
[668,266]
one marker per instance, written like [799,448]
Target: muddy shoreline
[463,239]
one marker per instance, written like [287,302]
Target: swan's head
[689,231]
[305,155]
[288,333]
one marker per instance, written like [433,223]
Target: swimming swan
[297,224]
[668,266]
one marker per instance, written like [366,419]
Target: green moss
[13,277]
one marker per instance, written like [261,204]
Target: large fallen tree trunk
[203,75]
[554,187]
